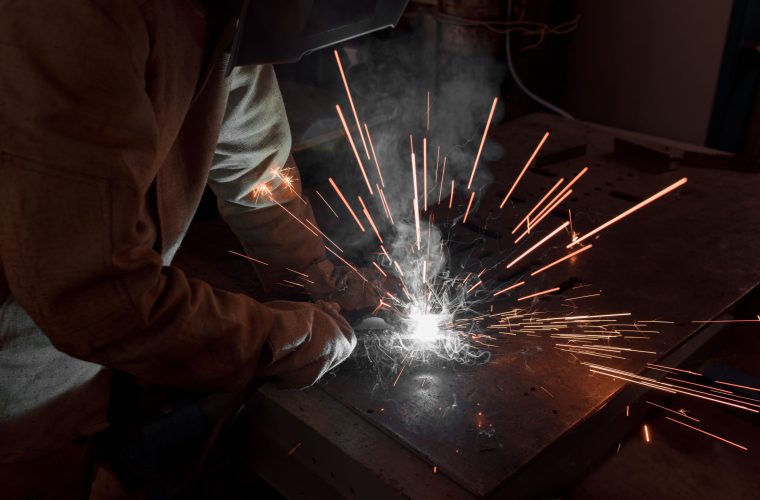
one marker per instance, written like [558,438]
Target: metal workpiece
[684,259]
[530,416]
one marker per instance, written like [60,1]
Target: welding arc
[628,212]
[482,141]
[351,102]
[525,168]
[543,240]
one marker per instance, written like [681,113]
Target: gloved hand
[306,341]
[340,284]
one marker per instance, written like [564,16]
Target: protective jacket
[110,113]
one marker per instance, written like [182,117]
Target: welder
[114,116]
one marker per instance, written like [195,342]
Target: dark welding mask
[280,31]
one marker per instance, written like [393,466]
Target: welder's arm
[259,191]
[77,231]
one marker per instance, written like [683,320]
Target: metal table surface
[687,257]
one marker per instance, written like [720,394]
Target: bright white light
[425,327]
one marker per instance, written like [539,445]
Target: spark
[482,141]
[472,197]
[561,259]
[248,257]
[505,290]
[416,203]
[380,269]
[443,173]
[424,172]
[293,450]
[537,294]
[345,202]
[369,218]
[646,433]
[746,387]
[385,205]
[744,448]
[631,210]
[525,168]
[348,264]
[353,146]
[328,205]
[679,413]
[294,283]
[540,202]
[351,102]
[451,200]
[437,157]
[547,210]
[374,157]
[543,240]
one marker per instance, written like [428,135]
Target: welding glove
[342,285]
[307,341]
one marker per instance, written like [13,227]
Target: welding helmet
[279,31]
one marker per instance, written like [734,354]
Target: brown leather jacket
[110,112]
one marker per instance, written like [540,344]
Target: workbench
[533,418]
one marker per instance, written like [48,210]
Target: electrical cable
[519,82]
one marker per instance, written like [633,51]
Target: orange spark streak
[345,202]
[525,168]
[509,288]
[328,205]
[562,259]
[348,264]
[730,321]
[443,173]
[374,157]
[294,449]
[369,218]
[428,111]
[424,171]
[540,202]
[548,209]
[543,240]
[386,254]
[353,147]
[385,204]
[351,102]
[473,287]
[679,413]
[537,294]
[249,258]
[575,179]
[379,269]
[628,212]
[313,226]
[756,389]
[469,204]
[294,283]
[437,157]
[451,200]
[416,203]
[646,433]
[424,270]
[744,448]
[398,268]
[297,272]
[482,141]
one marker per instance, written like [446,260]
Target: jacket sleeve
[253,172]
[78,155]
